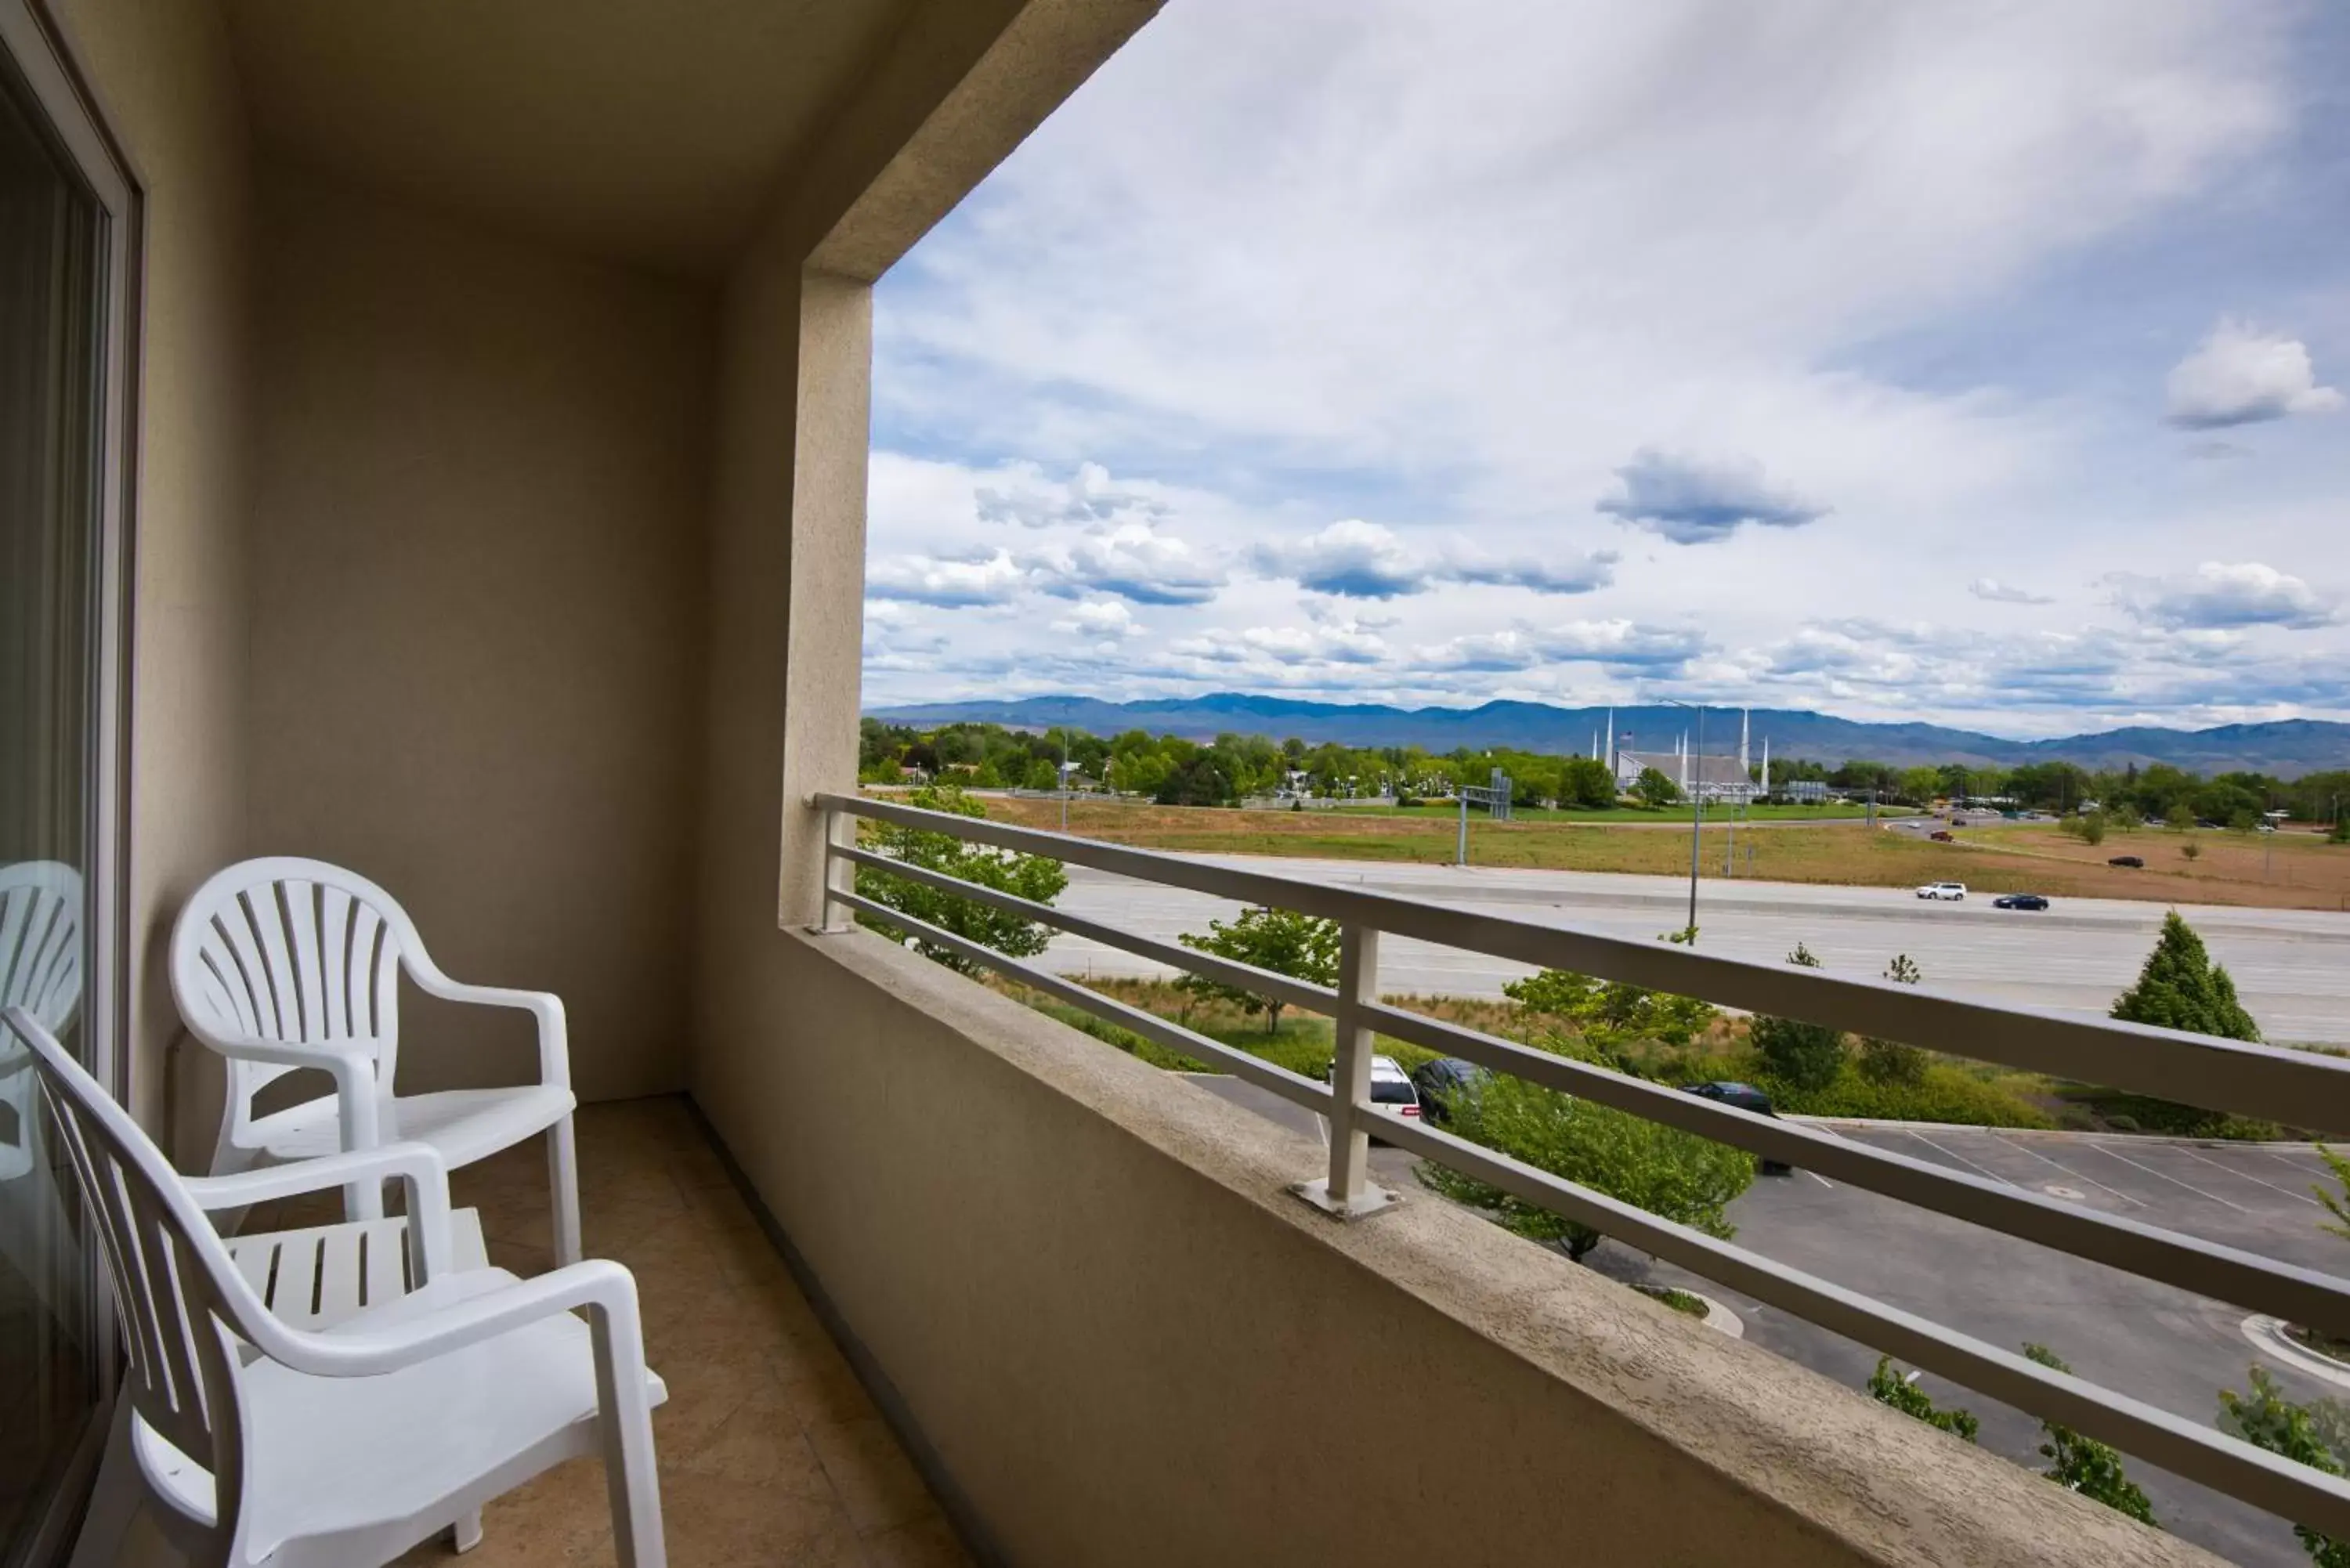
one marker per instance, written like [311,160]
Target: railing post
[1347,1191]
[839,872]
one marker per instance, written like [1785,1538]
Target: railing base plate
[1369,1201]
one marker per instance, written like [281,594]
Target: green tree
[1683,1178]
[1611,1014]
[1899,1391]
[1030,876]
[2181,988]
[2341,834]
[2088,829]
[1919,786]
[1195,781]
[1655,790]
[2084,1464]
[2267,1420]
[1889,1061]
[1802,1056]
[1302,947]
[1588,782]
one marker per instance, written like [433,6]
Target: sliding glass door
[58,322]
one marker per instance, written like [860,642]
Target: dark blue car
[1745,1098]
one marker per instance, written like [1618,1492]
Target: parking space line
[2248,1176]
[2076,1175]
[1962,1160]
[2106,1149]
[2294,1164]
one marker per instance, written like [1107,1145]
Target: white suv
[1943,891]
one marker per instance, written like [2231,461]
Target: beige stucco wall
[477,568]
[167,87]
[1126,1344]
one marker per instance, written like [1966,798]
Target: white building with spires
[1715,778]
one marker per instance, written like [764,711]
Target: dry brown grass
[2232,868]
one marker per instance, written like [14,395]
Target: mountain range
[2286,747]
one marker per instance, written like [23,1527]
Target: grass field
[2286,871]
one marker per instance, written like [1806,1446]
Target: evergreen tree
[2181,988]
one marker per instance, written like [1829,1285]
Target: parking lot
[2166,1346]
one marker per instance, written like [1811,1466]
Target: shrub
[1676,1174]
[2084,1465]
[2088,829]
[1888,1062]
[1800,1056]
[1943,1092]
[1899,1391]
[2267,1420]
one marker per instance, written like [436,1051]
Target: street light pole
[1697,808]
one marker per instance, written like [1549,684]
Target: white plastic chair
[341,1448]
[40,972]
[282,963]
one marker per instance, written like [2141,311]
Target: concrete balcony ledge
[1121,1340]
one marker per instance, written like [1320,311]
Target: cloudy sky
[1983,363]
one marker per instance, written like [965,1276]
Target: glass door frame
[37,44]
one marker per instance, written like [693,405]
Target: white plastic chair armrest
[421,1172]
[350,1063]
[543,1006]
[603,1286]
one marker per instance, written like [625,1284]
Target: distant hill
[2286,747]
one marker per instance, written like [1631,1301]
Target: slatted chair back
[40,972]
[289,951]
[177,1293]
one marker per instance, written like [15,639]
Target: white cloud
[1693,501]
[1342,642]
[1355,559]
[1101,619]
[2220,594]
[988,579]
[2240,375]
[1132,560]
[1993,591]
[1023,495]
[1617,645]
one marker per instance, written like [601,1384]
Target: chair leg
[466,1533]
[624,1420]
[563,1186]
[114,1503]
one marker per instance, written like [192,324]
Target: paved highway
[2291,967]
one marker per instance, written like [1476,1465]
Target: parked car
[1392,1094]
[1745,1098]
[1436,1082]
[1939,836]
[2132,861]
[1953,890]
[2019,901]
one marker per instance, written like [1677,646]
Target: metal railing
[2298,1088]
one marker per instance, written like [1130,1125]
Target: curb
[2268,1336]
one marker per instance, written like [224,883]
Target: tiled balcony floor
[770,1452]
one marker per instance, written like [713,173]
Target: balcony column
[825,627]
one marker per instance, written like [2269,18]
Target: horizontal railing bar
[2204,1268]
[1263,981]
[1290,1086]
[2298,1492]
[2296,1088]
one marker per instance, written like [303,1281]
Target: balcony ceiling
[648,130]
